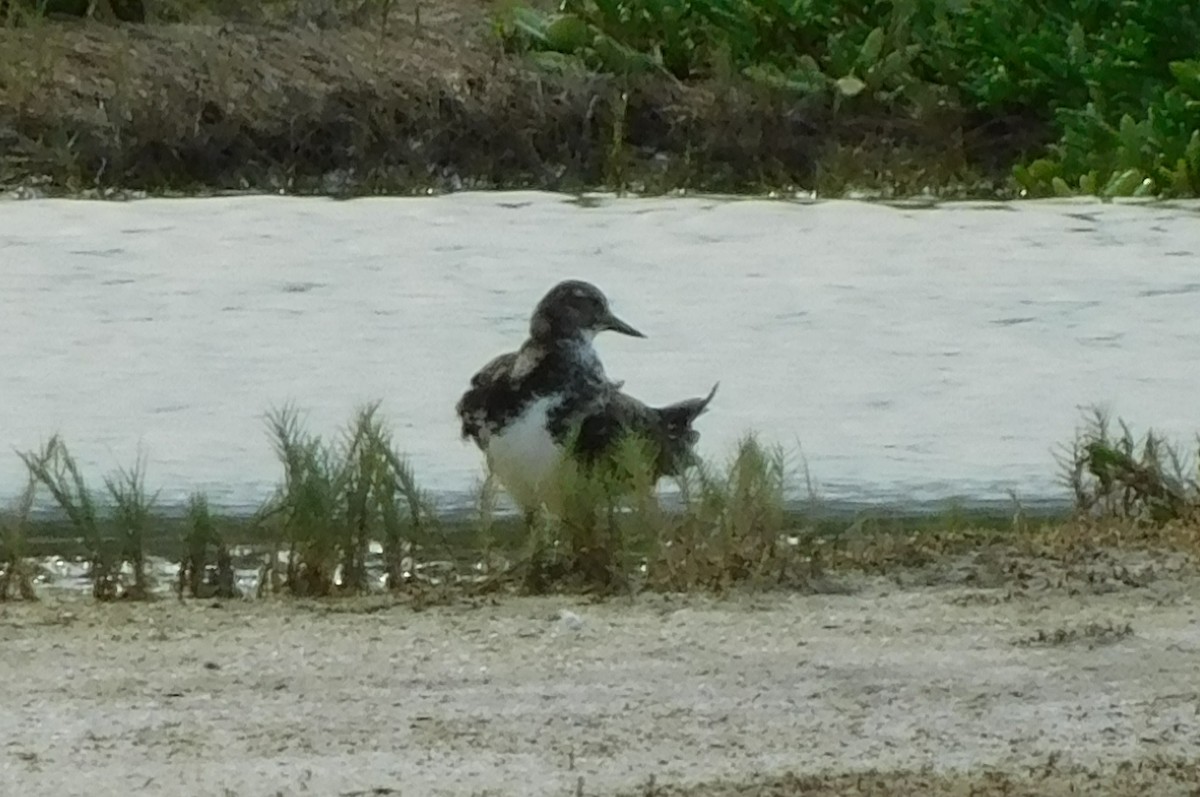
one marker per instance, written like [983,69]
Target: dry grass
[1051,779]
[346,98]
[734,531]
[1090,634]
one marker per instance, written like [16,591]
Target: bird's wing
[472,406]
[525,361]
[606,422]
[668,428]
[499,368]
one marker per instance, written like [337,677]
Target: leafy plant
[1117,83]
[803,47]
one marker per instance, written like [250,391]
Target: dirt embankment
[1006,676]
[429,100]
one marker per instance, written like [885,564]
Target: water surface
[910,353]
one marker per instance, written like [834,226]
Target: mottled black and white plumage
[522,405]
[668,429]
[558,358]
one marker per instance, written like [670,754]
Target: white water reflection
[915,353]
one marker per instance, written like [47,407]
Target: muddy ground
[317,100]
[1046,681]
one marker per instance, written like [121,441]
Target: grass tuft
[336,498]
[1119,476]
[113,542]
[201,535]
[132,516]
[609,532]
[732,528]
[16,575]
[54,468]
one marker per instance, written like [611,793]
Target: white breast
[524,456]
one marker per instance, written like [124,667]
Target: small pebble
[570,620]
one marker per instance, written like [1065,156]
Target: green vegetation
[202,535]
[1112,87]
[16,576]
[611,532]
[349,518]
[131,516]
[892,97]
[1146,481]
[336,498]
[114,541]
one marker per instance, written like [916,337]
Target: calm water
[908,353]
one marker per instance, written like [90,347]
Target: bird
[529,408]
[522,405]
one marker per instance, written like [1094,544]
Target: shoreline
[430,106]
[463,512]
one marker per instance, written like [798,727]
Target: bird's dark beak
[617,325]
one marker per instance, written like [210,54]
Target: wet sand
[1006,676]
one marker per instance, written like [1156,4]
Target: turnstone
[523,406]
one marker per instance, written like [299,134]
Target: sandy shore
[1051,679]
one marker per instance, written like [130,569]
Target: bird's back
[668,429]
[502,389]
[491,391]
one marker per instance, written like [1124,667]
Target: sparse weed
[131,515]
[1091,634]
[407,514]
[491,560]
[54,468]
[609,532]
[343,502]
[1119,477]
[16,577]
[732,529]
[307,504]
[605,514]
[336,498]
[201,535]
[114,539]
